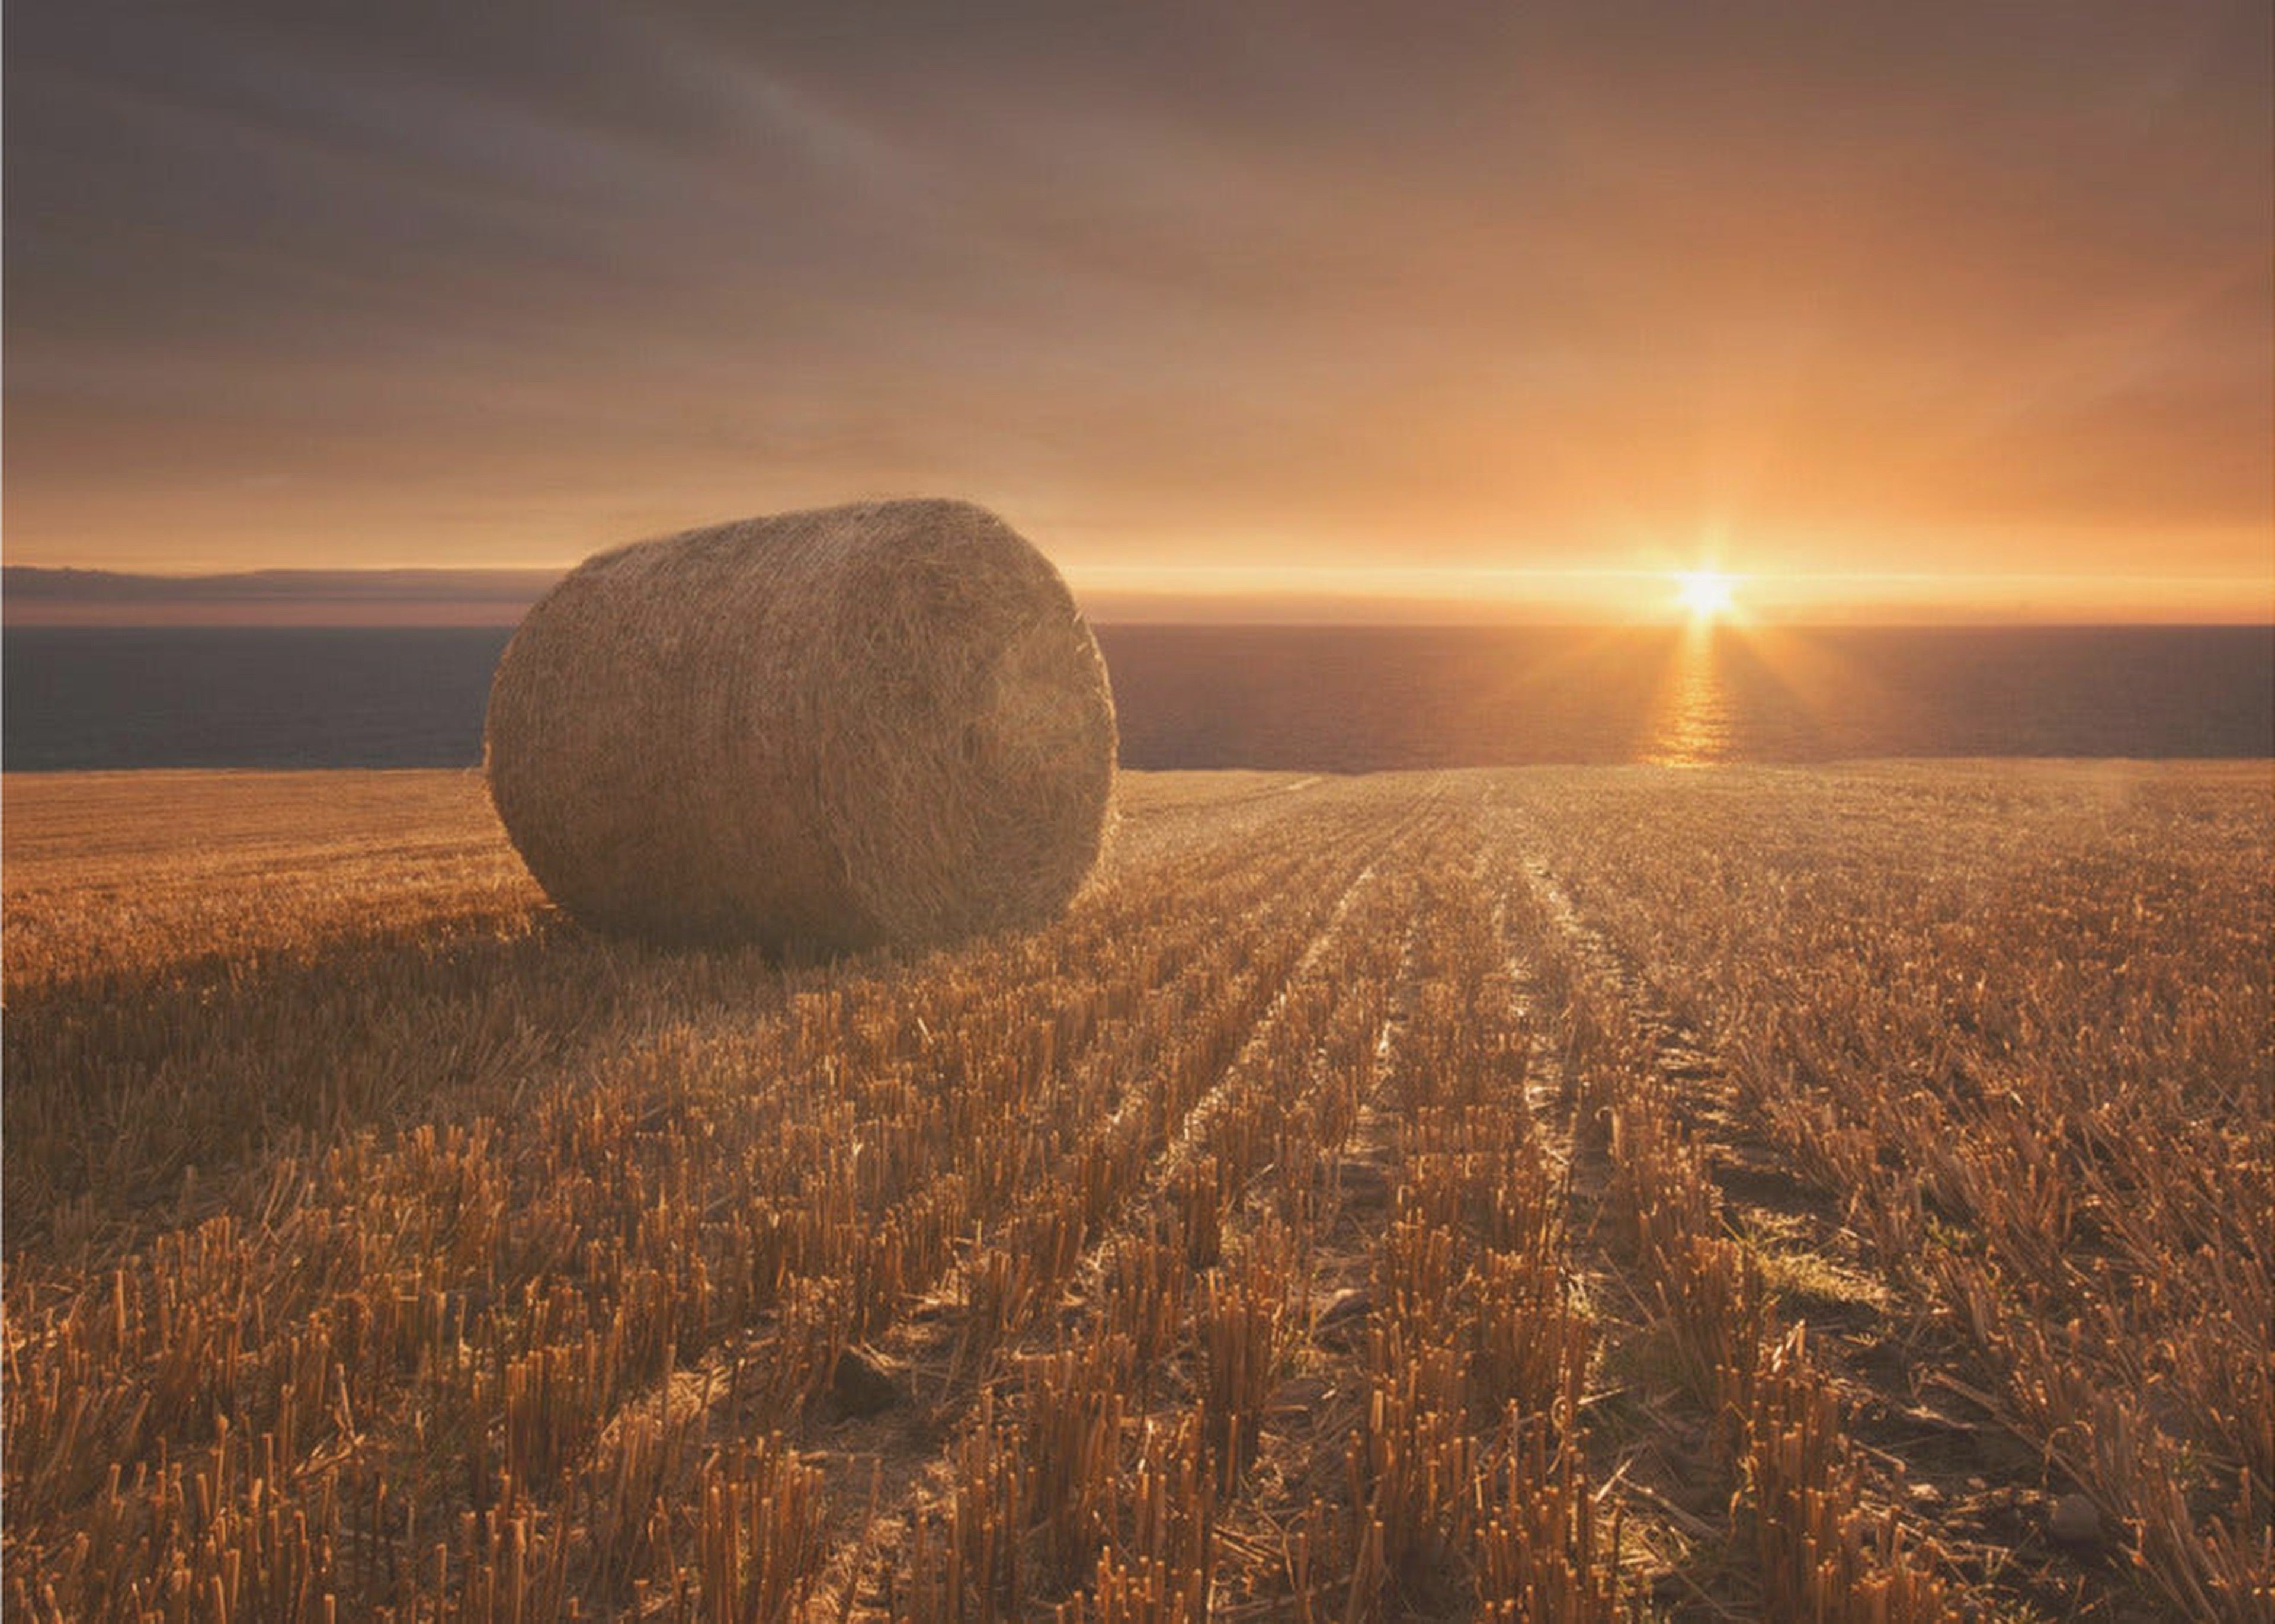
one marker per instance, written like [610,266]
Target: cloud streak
[1843,289]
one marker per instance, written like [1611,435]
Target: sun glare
[1708,594]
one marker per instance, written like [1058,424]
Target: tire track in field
[1296,1540]
[1181,1153]
[904,1505]
[1819,1275]
[1323,1208]
[1569,1118]
[1299,1463]
[1332,1200]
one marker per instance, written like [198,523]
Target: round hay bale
[884,723]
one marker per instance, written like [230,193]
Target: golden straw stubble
[834,729]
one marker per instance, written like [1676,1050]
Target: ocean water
[1315,698]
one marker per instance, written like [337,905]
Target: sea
[1315,698]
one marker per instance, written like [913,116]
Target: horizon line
[33,595]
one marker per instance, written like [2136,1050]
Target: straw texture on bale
[885,723]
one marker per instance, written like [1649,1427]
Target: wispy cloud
[1847,289]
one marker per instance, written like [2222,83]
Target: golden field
[1543,1194]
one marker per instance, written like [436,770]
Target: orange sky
[1913,311]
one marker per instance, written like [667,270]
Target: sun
[1708,594]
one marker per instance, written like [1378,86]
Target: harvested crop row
[1251,1239]
[1467,1483]
[1160,1344]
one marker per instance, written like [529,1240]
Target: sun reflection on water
[1691,721]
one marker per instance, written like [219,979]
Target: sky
[1928,310]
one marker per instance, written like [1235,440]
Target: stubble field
[1544,1194]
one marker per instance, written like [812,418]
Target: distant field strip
[1535,1194]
